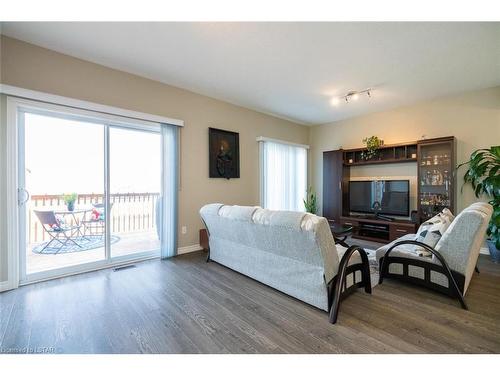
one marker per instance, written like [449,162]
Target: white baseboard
[485,251]
[189,249]
[4,285]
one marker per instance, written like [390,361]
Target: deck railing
[130,212]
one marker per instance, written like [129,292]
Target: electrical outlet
[184,229]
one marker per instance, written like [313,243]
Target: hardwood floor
[184,305]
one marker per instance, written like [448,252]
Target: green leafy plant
[69,200]
[484,176]
[311,203]
[372,143]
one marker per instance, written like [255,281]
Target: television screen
[389,197]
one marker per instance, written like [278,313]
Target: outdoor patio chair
[57,230]
[96,226]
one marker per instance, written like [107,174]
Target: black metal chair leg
[477,270]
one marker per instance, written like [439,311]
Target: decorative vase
[494,252]
[70,206]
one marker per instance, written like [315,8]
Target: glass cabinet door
[436,178]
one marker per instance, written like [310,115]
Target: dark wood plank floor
[185,305]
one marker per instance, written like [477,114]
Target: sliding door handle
[21,200]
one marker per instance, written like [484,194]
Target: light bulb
[335,101]
[355,96]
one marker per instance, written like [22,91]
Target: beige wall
[28,66]
[473,118]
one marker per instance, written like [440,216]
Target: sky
[64,156]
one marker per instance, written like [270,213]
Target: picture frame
[223,153]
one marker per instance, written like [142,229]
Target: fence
[130,212]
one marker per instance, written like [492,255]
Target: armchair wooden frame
[456,280]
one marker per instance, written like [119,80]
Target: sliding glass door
[89,192]
[135,191]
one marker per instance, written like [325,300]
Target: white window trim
[85,105]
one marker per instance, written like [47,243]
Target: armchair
[450,268]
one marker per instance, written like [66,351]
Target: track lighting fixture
[351,96]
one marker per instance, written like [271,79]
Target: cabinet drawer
[397,231]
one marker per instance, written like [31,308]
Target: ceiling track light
[352,95]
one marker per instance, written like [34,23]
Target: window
[283,175]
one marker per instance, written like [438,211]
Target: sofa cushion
[211,209]
[406,250]
[242,213]
[288,219]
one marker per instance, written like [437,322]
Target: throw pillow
[430,232]
[448,214]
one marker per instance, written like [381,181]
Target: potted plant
[484,176]
[372,143]
[310,203]
[69,200]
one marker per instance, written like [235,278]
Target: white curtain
[170,179]
[283,176]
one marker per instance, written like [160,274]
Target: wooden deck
[129,243]
[185,305]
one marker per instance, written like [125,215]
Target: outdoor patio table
[77,215]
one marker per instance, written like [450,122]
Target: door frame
[12,195]
[17,276]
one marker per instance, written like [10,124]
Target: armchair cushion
[406,250]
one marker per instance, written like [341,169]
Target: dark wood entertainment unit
[373,229]
[436,185]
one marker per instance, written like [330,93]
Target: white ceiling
[290,70]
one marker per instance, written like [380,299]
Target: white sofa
[293,252]
[454,257]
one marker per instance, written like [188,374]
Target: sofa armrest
[341,276]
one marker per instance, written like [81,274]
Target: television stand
[377,229]
[383,217]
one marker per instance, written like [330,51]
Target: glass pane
[64,174]
[135,185]
[435,178]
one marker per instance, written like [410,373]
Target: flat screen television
[386,197]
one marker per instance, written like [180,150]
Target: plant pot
[70,206]
[494,252]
